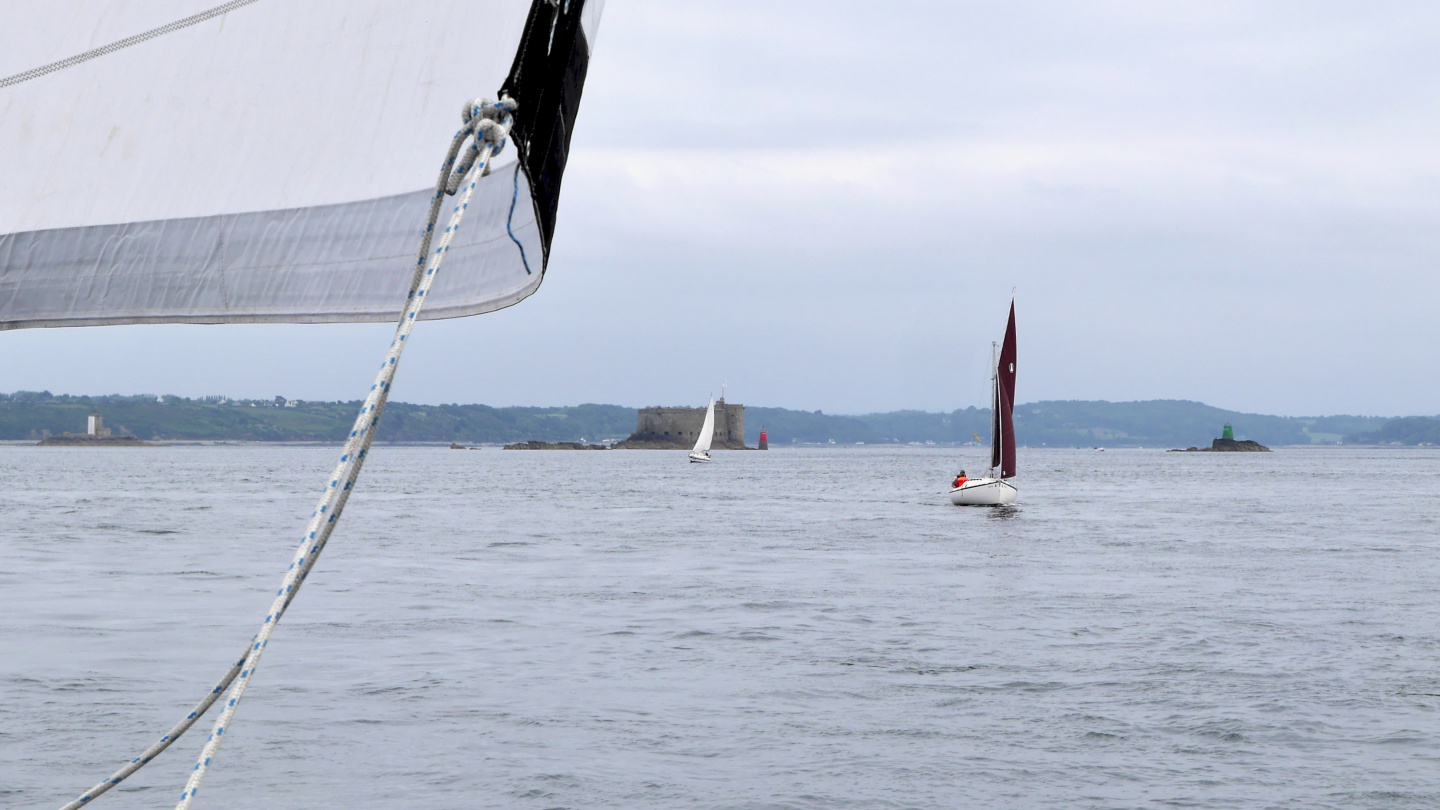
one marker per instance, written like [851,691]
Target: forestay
[267,164]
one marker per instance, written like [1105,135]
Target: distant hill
[1156,423]
[1412,430]
[1060,423]
[1172,423]
[29,415]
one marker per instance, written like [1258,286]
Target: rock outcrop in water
[83,440]
[534,445]
[1228,446]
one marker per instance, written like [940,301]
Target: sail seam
[80,58]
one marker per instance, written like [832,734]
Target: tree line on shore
[1156,423]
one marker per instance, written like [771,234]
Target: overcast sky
[828,205]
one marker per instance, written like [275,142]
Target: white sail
[707,430]
[270,163]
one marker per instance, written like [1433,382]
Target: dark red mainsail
[1002,451]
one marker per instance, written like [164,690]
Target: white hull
[984,492]
[699,458]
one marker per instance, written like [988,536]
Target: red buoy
[764,440]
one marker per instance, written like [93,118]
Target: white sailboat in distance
[701,453]
[995,490]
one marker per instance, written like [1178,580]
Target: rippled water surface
[791,629]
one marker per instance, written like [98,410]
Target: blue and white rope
[487,125]
[487,137]
[164,742]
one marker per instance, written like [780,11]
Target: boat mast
[994,405]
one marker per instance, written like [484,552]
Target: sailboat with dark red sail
[995,489]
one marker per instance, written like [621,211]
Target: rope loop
[488,122]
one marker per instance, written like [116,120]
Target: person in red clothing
[959,480]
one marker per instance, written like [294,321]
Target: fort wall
[662,427]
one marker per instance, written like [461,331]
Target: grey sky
[827,205]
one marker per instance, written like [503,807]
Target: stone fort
[680,427]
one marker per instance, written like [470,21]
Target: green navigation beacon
[1229,432]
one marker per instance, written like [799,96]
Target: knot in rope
[488,123]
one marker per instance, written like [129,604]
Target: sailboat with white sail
[995,489]
[700,454]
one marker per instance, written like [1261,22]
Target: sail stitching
[194,19]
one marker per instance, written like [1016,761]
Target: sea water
[789,629]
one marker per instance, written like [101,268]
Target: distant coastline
[34,416]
